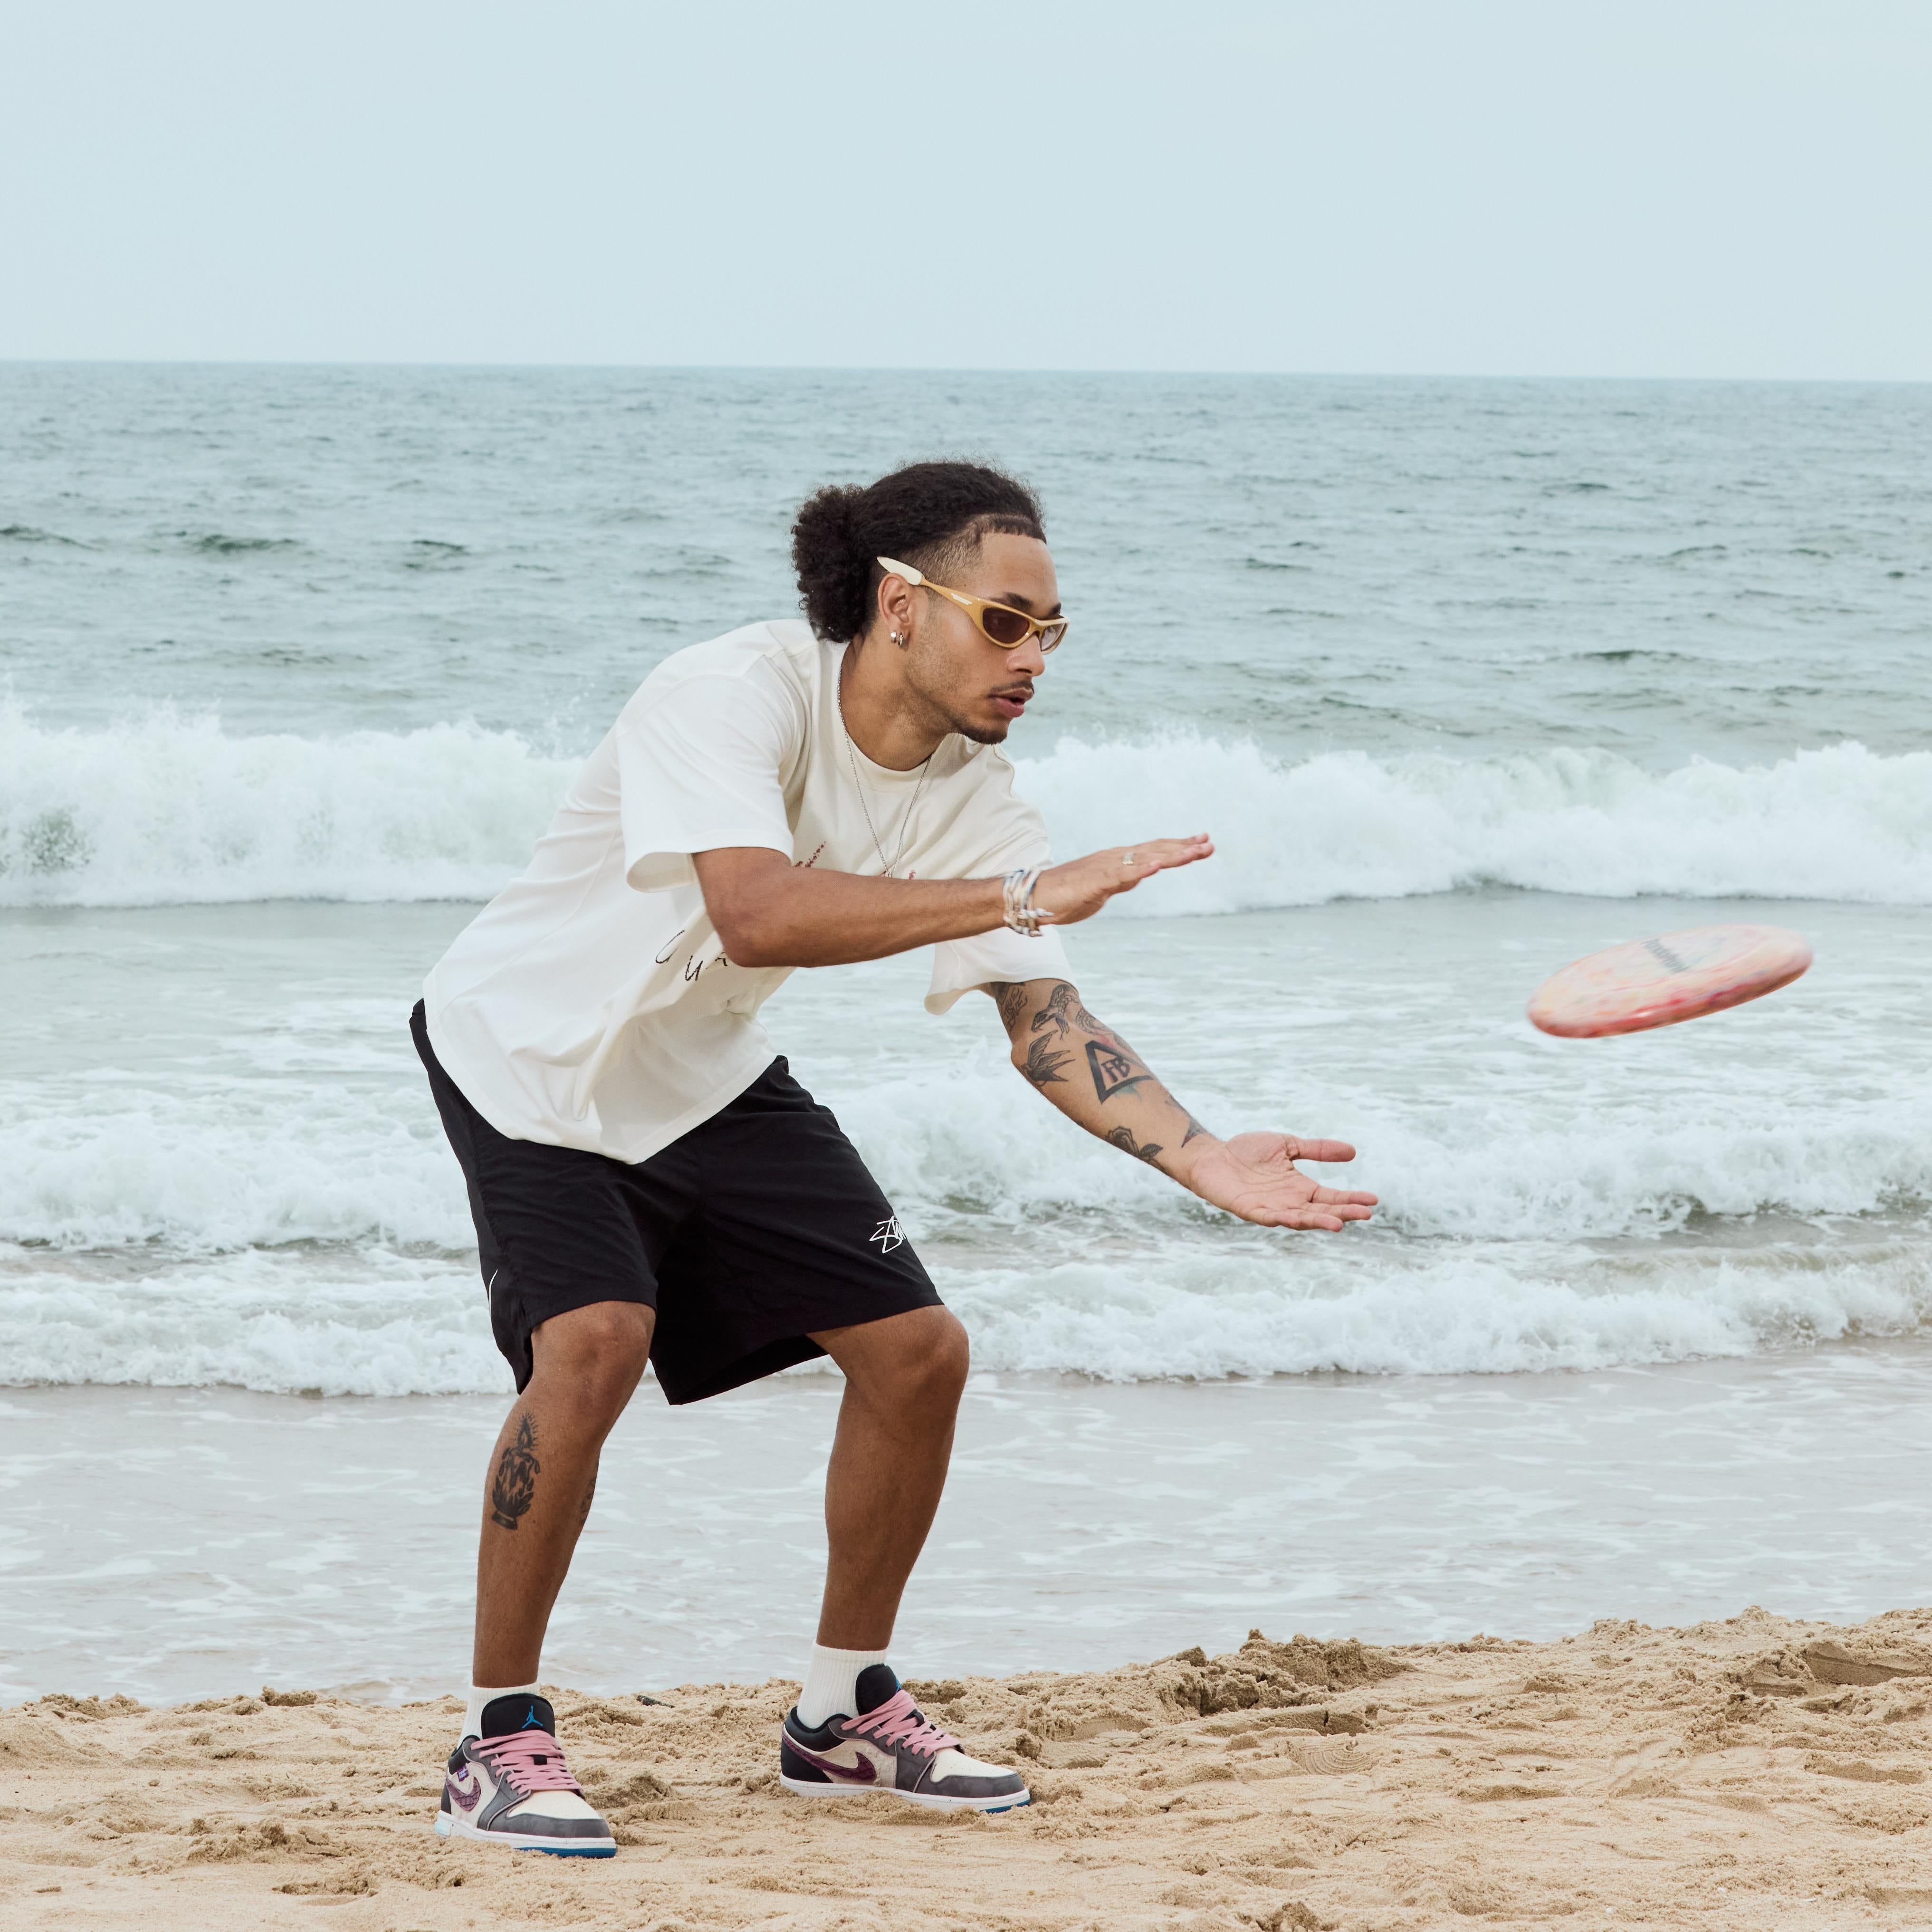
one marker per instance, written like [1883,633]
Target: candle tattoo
[515,1487]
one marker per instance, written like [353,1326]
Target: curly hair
[931,515]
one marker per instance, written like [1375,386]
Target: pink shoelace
[529,1761]
[897,1721]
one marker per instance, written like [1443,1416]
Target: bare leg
[542,1475]
[903,1379]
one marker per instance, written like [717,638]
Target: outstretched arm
[1094,1078]
[769,912]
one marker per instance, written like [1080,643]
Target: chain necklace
[905,824]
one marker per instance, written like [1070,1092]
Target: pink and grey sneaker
[510,1787]
[890,1749]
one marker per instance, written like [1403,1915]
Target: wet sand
[177,1543]
[1758,1772]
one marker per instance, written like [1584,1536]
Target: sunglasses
[999,623]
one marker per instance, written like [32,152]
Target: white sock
[831,1683]
[479,1696]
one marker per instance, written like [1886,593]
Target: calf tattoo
[1122,1137]
[515,1487]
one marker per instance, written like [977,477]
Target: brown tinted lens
[1050,637]
[1003,626]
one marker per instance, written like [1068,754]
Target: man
[648,1181]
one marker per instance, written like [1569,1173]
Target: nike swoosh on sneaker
[465,1789]
[864,1772]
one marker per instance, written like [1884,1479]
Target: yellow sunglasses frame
[975,607]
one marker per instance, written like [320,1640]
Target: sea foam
[207,1235]
[1841,823]
[171,809]
[218,1169]
[377,1323]
[1440,1312]
[174,809]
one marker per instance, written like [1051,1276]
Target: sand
[1757,1772]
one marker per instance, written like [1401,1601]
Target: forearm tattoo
[1115,1069]
[1113,1065]
[1063,1008]
[1010,997]
[1053,1013]
[1122,1137]
[1043,1064]
[515,1487]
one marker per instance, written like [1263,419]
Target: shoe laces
[899,1721]
[528,1761]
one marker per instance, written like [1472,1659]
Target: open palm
[1254,1176]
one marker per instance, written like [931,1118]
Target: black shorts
[755,1230]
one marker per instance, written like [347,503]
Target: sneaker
[890,1750]
[511,1787]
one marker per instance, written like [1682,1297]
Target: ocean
[1467,678]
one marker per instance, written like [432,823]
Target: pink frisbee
[1656,982]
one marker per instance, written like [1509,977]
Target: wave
[173,808]
[284,1237]
[1457,1313]
[27,533]
[376,1323]
[979,1144]
[972,1156]
[209,1173]
[1842,823]
[219,543]
[370,1324]
[170,809]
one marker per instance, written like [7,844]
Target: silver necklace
[905,824]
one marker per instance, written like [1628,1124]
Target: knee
[933,1365]
[597,1354]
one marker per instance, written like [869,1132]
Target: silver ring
[1127,859]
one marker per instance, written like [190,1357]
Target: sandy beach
[1754,1772]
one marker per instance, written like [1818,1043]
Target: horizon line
[936,369]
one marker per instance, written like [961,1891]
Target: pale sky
[1634,187]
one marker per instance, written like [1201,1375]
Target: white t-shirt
[590,1004]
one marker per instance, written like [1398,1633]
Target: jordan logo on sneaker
[888,1234]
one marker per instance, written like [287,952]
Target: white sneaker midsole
[449,1826]
[932,1800]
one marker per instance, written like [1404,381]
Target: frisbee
[1678,976]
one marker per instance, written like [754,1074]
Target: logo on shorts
[888,1234]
